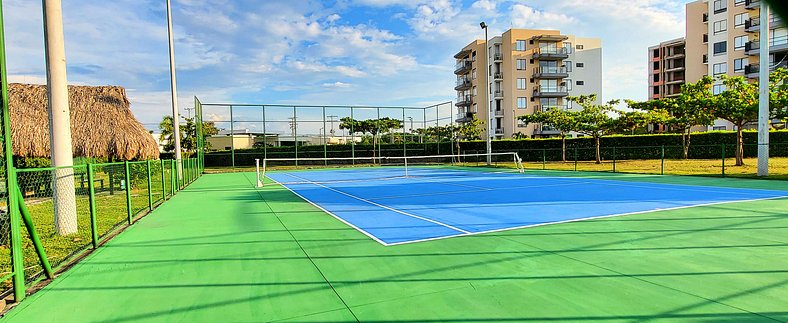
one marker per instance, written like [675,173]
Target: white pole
[763,95]
[257,173]
[175,115]
[59,120]
[488,88]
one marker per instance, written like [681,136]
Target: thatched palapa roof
[102,124]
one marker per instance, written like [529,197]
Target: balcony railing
[541,108]
[752,4]
[552,72]
[498,76]
[551,91]
[499,113]
[464,100]
[462,84]
[462,67]
[548,53]
[752,70]
[498,94]
[497,57]
[498,131]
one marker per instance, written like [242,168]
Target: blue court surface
[433,203]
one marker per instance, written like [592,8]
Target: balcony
[752,4]
[540,108]
[462,84]
[499,131]
[499,113]
[463,54]
[553,54]
[705,19]
[498,94]
[674,68]
[753,25]
[544,72]
[462,67]
[677,80]
[464,100]
[752,71]
[550,91]
[498,76]
[465,116]
[497,57]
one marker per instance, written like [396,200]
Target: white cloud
[337,85]
[527,17]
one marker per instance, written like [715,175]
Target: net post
[614,159]
[406,166]
[257,172]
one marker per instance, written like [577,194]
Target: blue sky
[373,52]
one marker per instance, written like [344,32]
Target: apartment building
[667,68]
[525,71]
[722,37]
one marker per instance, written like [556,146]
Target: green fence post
[31,230]
[662,162]
[163,186]
[172,177]
[614,159]
[150,188]
[544,159]
[17,256]
[128,191]
[723,160]
[92,203]
[575,158]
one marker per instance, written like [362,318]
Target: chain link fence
[107,198]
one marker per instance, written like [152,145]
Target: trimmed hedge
[707,145]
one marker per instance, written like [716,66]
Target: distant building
[527,71]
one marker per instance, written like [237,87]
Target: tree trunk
[598,155]
[739,146]
[563,148]
[685,142]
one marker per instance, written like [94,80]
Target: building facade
[667,67]
[722,37]
[524,71]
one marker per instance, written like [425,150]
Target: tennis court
[441,202]
[224,250]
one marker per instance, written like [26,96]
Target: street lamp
[487,88]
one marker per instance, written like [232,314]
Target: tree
[738,104]
[188,133]
[689,109]
[595,120]
[374,127]
[562,120]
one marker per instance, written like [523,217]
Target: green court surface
[224,251]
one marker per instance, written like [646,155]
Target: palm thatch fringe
[102,124]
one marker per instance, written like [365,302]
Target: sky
[340,52]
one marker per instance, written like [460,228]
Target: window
[656,65]
[738,64]
[720,6]
[581,83]
[520,45]
[738,2]
[656,78]
[721,68]
[778,37]
[520,64]
[522,102]
[656,53]
[580,65]
[568,65]
[720,48]
[473,74]
[720,26]
[580,47]
[568,83]
[738,42]
[568,47]
[521,84]
[656,90]
[719,128]
[474,91]
[717,89]
[738,20]
[705,38]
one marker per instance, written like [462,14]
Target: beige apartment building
[722,37]
[525,71]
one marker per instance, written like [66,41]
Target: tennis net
[382,168]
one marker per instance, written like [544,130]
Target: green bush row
[706,145]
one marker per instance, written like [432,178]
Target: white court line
[588,218]
[383,206]
[332,214]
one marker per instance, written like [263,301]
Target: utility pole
[59,120]
[176,124]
